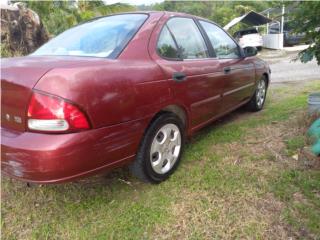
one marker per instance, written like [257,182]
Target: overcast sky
[133,2]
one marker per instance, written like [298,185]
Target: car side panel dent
[111,92]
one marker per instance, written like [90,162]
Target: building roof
[250,18]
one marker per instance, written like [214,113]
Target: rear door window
[191,44]
[166,47]
[223,45]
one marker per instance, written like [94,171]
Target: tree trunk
[22,31]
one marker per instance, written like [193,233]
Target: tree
[57,16]
[221,12]
[21,31]
[306,18]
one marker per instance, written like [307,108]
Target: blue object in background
[314,132]
[314,103]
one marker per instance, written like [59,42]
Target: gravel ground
[284,69]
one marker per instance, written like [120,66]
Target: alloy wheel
[165,148]
[261,93]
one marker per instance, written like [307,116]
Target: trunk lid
[20,75]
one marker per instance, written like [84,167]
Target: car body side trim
[201,125]
[237,89]
[205,101]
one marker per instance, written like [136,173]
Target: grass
[237,180]
[300,190]
[295,143]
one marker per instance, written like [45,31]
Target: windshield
[105,37]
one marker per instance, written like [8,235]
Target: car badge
[17,119]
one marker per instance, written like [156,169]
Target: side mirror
[250,51]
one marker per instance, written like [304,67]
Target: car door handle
[179,76]
[227,70]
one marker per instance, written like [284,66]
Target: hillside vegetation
[57,16]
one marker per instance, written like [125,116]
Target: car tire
[258,99]
[160,150]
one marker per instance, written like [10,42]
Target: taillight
[53,114]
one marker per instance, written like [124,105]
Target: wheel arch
[266,75]
[178,110]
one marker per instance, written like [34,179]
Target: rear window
[105,37]
[249,31]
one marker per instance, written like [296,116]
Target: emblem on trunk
[15,118]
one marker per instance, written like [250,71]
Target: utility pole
[268,15]
[282,18]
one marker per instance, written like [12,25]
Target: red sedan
[125,89]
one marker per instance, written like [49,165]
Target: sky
[133,2]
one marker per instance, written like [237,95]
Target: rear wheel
[258,99]
[160,150]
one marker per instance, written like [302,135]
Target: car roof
[164,12]
[171,14]
[179,14]
[155,12]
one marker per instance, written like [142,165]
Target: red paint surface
[120,98]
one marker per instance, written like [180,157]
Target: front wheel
[258,99]
[160,150]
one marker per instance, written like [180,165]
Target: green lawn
[237,180]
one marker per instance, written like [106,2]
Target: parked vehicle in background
[249,38]
[289,37]
[120,90]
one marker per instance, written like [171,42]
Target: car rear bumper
[251,44]
[54,158]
